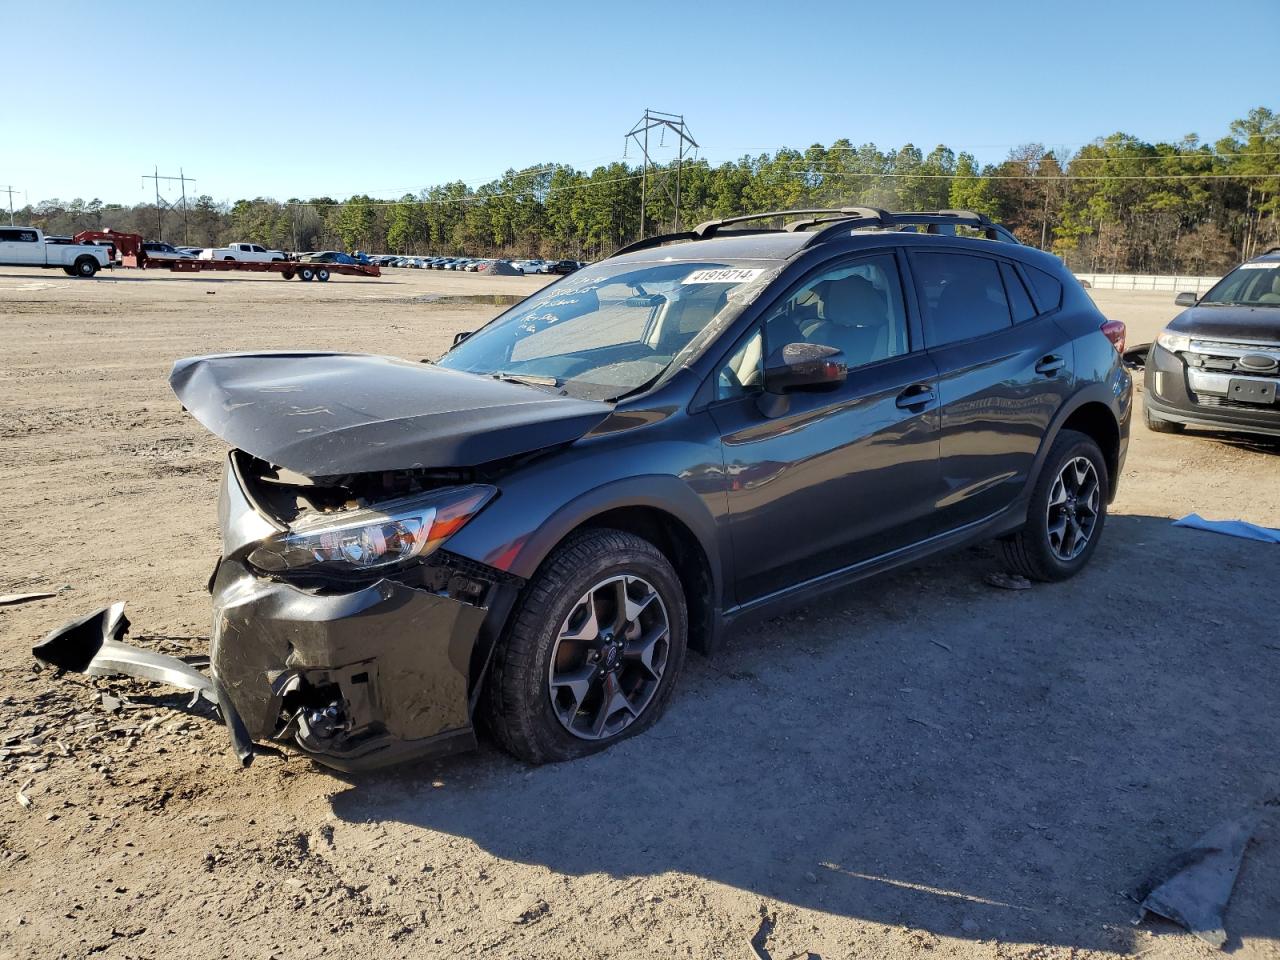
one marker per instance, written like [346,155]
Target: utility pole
[163,205]
[9,189]
[657,119]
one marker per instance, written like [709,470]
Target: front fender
[542,504]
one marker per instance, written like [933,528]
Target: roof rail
[834,221]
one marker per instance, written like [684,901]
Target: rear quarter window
[1047,288]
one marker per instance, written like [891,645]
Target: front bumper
[358,679]
[357,675]
[1169,394]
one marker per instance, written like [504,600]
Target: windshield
[606,330]
[1250,284]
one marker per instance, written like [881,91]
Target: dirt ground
[921,765]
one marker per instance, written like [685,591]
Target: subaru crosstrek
[534,529]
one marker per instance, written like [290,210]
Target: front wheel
[306,273]
[593,650]
[1067,512]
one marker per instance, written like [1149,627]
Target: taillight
[1113,330]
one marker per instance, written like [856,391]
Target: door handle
[916,397]
[1050,365]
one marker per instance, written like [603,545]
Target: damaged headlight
[1174,342]
[366,539]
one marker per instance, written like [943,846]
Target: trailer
[288,269]
[128,249]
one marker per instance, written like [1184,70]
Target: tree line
[1116,205]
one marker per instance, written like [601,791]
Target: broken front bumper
[359,678]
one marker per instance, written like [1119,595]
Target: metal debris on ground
[10,599]
[1007,581]
[1192,888]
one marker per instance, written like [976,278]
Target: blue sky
[277,99]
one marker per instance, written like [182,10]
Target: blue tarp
[1232,528]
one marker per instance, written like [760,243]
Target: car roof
[1270,256]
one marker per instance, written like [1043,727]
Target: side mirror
[459,337]
[1186,299]
[798,367]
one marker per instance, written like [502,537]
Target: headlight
[1173,342]
[372,538]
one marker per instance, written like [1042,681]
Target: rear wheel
[287,274]
[322,274]
[86,267]
[593,650]
[69,271]
[1067,512]
[306,273]
[1159,425]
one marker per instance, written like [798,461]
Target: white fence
[1134,281]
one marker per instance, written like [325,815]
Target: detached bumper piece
[91,645]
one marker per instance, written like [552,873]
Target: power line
[163,205]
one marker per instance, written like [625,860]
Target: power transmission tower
[662,178]
[162,205]
[10,191]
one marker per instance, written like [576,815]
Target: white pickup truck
[26,247]
[244,252]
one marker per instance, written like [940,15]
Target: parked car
[562,266]
[244,252]
[26,247]
[158,250]
[686,434]
[327,256]
[459,264]
[1217,364]
[191,252]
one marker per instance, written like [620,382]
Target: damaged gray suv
[533,530]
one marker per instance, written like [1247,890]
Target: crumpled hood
[1229,323]
[323,414]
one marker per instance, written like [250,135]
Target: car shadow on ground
[926,750]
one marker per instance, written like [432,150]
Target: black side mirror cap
[1186,299]
[459,337]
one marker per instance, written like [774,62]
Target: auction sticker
[723,275]
[1244,266]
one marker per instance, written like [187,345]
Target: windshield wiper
[528,379]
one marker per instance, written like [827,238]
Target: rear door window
[961,296]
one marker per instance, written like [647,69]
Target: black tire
[1031,551]
[287,274]
[322,274]
[229,258]
[306,273]
[69,271]
[86,266]
[1158,425]
[518,705]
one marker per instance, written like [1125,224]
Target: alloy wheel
[1072,514]
[609,657]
